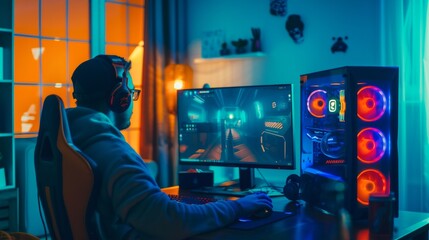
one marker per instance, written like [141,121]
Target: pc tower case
[349,134]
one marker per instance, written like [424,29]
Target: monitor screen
[246,126]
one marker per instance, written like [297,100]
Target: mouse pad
[246,223]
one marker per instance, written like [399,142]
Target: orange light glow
[342,112]
[316,103]
[371,103]
[371,145]
[116,17]
[178,84]
[370,181]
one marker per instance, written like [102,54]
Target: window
[124,37]
[47,48]
[52,37]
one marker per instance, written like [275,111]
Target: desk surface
[307,224]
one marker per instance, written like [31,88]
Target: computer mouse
[292,206]
[266,212]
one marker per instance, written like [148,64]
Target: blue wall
[284,60]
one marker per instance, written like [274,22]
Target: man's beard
[123,121]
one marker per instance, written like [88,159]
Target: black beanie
[94,79]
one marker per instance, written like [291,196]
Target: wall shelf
[5,30]
[230,57]
[8,190]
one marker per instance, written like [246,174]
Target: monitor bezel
[235,164]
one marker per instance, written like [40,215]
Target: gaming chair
[66,178]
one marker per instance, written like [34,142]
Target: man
[130,204]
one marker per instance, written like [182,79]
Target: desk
[311,224]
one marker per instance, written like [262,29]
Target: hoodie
[130,204]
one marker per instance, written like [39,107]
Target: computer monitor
[246,127]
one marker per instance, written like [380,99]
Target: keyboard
[190,199]
[236,193]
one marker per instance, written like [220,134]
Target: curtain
[163,44]
[405,44]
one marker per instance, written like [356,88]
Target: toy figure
[256,40]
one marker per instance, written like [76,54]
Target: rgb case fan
[349,130]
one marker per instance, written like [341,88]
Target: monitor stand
[246,178]
[244,186]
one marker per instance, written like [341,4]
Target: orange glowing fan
[371,145]
[316,103]
[371,103]
[370,181]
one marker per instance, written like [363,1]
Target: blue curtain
[163,45]
[405,44]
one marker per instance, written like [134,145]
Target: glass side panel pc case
[349,132]
[248,126]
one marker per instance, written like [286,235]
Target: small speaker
[193,180]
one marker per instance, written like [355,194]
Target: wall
[284,60]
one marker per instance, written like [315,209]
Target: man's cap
[94,78]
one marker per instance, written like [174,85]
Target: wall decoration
[211,42]
[295,28]
[240,45]
[256,40]
[224,49]
[339,44]
[278,7]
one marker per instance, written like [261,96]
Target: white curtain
[405,43]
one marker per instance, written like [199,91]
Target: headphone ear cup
[291,190]
[120,98]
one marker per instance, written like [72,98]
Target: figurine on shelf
[224,49]
[256,40]
[240,45]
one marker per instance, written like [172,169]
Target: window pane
[78,53]
[136,70]
[121,51]
[116,16]
[118,1]
[54,18]
[27,59]
[133,138]
[27,17]
[54,61]
[71,102]
[27,108]
[135,25]
[135,118]
[61,91]
[136,2]
[78,19]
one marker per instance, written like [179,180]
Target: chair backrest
[66,178]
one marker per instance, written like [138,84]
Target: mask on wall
[278,7]
[339,45]
[295,28]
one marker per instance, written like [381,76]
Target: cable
[41,216]
[268,184]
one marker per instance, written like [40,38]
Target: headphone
[300,187]
[120,97]
[292,188]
